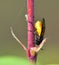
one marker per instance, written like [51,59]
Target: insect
[39,31]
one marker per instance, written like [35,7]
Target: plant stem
[31,39]
[30,8]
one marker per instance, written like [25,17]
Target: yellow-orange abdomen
[38,27]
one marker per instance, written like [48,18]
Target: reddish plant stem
[31,39]
[30,8]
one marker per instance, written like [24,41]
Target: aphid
[39,31]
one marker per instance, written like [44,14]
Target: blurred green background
[12,14]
